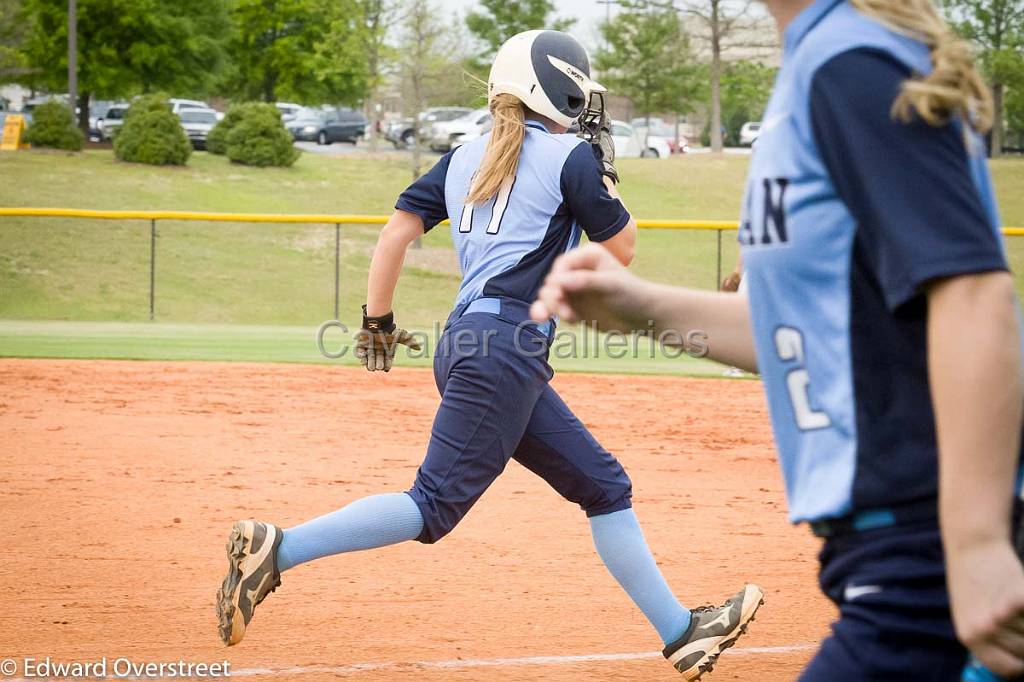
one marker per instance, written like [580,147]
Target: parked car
[666,131]
[289,111]
[29,105]
[111,121]
[654,121]
[197,124]
[97,110]
[178,104]
[443,134]
[326,127]
[749,133]
[401,133]
[630,144]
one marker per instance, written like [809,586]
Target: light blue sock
[623,549]
[370,522]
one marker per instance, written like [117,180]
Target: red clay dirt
[120,480]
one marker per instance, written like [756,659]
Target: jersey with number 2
[848,215]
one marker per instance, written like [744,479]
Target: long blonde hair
[501,160]
[954,87]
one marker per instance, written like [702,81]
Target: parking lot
[383,146]
[343,148]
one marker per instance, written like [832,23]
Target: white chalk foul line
[492,662]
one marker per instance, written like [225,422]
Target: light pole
[607,16]
[73,54]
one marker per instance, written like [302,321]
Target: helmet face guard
[593,117]
[548,71]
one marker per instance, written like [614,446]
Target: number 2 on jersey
[497,209]
[789,344]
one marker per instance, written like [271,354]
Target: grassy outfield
[267,343]
[279,274]
[278,279]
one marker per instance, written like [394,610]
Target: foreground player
[518,198]
[886,330]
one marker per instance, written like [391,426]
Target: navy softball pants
[492,372]
[894,620]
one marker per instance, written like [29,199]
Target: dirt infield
[120,480]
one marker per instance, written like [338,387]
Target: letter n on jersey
[773,217]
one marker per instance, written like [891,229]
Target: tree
[377,18]
[647,58]
[312,51]
[746,86]
[996,27]
[1015,115]
[722,20]
[12,35]
[125,47]
[499,20]
[422,57]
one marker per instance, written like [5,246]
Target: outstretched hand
[589,284]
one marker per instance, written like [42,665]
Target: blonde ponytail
[954,87]
[501,160]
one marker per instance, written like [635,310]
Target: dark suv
[325,127]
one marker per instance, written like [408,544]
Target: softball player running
[517,198]
[886,331]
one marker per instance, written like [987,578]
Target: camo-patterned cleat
[712,630]
[252,575]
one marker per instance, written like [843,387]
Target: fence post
[337,267]
[152,268]
[718,262]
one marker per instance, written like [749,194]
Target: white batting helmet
[548,71]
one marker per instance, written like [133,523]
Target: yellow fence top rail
[345,219]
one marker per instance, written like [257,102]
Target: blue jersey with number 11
[506,245]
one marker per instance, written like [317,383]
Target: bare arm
[724,318]
[400,231]
[590,284]
[975,375]
[623,244]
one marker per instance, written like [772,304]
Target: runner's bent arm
[401,230]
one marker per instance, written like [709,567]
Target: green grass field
[277,280]
[270,343]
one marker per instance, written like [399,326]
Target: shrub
[152,134]
[53,125]
[259,138]
[217,140]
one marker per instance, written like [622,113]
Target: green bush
[217,140]
[259,138]
[152,134]
[53,125]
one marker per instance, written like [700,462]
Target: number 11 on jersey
[497,209]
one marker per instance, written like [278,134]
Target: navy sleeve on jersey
[908,185]
[601,215]
[425,197]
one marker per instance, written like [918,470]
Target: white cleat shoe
[713,629]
